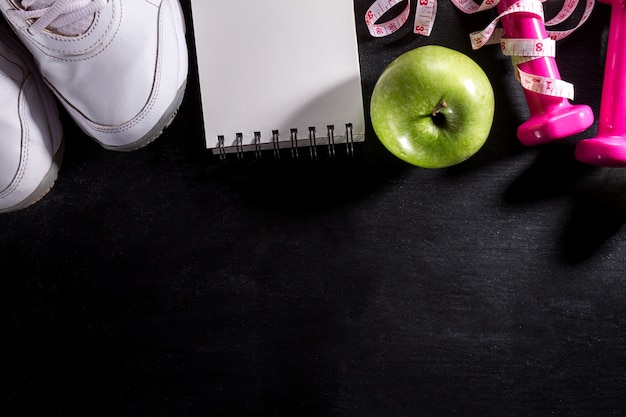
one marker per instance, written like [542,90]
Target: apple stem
[440,106]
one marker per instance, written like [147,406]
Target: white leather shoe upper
[124,77]
[30,131]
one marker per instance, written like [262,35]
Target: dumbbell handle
[551,118]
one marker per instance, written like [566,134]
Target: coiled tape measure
[520,50]
[425,13]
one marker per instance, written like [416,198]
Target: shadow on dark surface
[552,173]
[598,205]
[303,185]
[598,213]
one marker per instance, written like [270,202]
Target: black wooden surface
[163,283]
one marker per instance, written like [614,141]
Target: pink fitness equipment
[551,118]
[608,148]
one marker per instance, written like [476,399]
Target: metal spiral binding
[331,141]
[349,140]
[257,145]
[240,150]
[294,143]
[276,144]
[220,145]
[239,145]
[312,143]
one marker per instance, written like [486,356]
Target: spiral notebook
[278,74]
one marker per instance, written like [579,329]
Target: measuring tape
[520,50]
[425,13]
[545,85]
[486,36]
[525,50]
[379,8]
[565,13]
[528,47]
[483,37]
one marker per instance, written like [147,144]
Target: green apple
[432,107]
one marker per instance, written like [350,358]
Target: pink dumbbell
[608,148]
[551,118]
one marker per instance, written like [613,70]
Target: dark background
[165,283]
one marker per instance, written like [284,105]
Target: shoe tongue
[74,28]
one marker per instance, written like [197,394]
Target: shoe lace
[57,14]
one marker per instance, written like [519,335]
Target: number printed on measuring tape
[546,86]
[566,12]
[481,38]
[520,50]
[426,11]
[525,50]
[528,47]
[470,7]
[377,10]
[491,34]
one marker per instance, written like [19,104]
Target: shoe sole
[164,122]
[44,186]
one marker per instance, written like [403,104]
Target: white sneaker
[119,67]
[30,130]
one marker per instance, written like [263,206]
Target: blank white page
[277,65]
